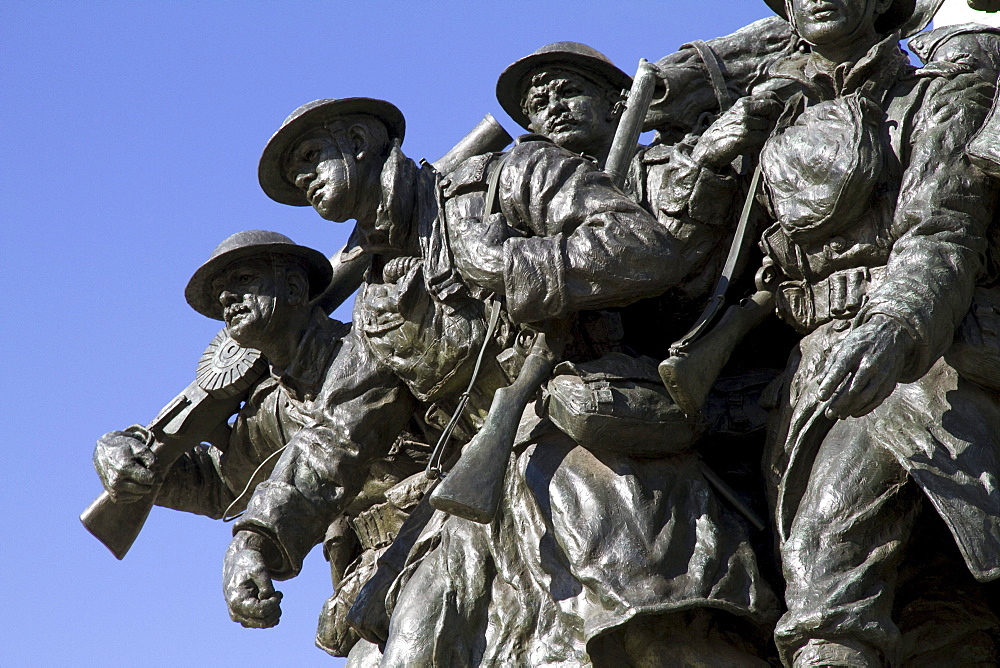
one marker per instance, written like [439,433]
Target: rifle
[488,136]
[630,126]
[200,413]
[474,486]
[698,357]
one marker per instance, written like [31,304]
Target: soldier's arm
[698,205]
[593,247]
[193,484]
[207,479]
[944,209]
[361,410]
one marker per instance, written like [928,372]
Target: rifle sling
[715,75]
[737,251]
[433,469]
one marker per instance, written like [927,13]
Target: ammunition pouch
[617,403]
[839,296]
[377,526]
[333,634]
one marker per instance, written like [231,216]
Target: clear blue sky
[129,142]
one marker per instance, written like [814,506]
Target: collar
[304,376]
[391,231]
[875,73]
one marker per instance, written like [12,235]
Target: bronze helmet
[515,80]
[253,244]
[308,117]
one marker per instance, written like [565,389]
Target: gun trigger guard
[678,350]
[525,340]
[767,278]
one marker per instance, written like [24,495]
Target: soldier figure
[269,311]
[612,544]
[563,514]
[879,238]
[418,327]
[263,286]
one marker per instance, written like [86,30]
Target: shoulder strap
[493,183]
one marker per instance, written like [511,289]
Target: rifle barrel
[630,125]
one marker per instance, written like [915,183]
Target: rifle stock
[689,373]
[117,525]
[200,413]
[473,487]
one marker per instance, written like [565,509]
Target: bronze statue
[410,260]
[571,483]
[270,311]
[538,440]
[265,289]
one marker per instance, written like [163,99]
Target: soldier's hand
[124,464]
[864,368]
[478,248]
[250,595]
[742,129]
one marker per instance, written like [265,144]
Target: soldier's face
[570,110]
[248,293]
[319,167]
[835,22]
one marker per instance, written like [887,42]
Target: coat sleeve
[592,247]
[207,479]
[195,484]
[944,208]
[698,206]
[355,420]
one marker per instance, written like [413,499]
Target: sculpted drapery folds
[568,242]
[494,581]
[410,285]
[261,285]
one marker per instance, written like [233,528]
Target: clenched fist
[125,465]
[742,129]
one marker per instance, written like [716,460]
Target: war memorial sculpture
[731,398]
